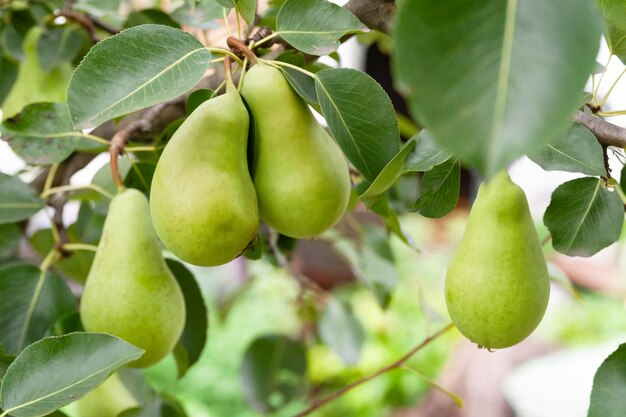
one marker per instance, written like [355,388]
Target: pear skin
[497,285]
[300,174]
[203,203]
[107,400]
[33,84]
[130,293]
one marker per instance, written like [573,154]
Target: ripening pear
[107,400]
[202,200]
[33,84]
[497,285]
[130,293]
[300,174]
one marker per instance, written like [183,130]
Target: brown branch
[375,14]
[323,401]
[238,46]
[607,133]
[89,23]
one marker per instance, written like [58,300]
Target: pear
[497,285]
[130,293]
[107,400]
[300,174]
[203,202]
[33,84]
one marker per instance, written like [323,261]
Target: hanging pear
[202,200]
[300,174]
[497,285]
[108,400]
[130,293]
[33,84]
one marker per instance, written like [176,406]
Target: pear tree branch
[607,133]
[395,365]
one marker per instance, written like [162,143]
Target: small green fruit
[130,293]
[497,286]
[203,202]
[300,174]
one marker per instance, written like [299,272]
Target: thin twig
[237,45]
[397,364]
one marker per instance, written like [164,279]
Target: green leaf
[201,15]
[198,97]
[584,217]
[11,41]
[342,332]
[57,46]
[18,201]
[390,173]
[472,68]
[8,75]
[427,153]
[137,68]
[58,370]
[195,332]
[378,269]
[149,16]
[140,176]
[10,236]
[383,208]
[608,395]
[42,134]
[272,372]
[615,30]
[439,190]
[302,84]
[5,361]
[576,150]
[245,8]
[315,26]
[361,118]
[31,304]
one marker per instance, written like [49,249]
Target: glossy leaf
[315,26]
[58,45]
[8,75]
[59,370]
[471,69]
[302,84]
[608,395]
[576,150]
[439,190]
[137,68]
[390,173]
[272,372]
[615,31]
[42,134]
[361,118]
[18,201]
[149,16]
[27,311]
[584,217]
[427,153]
[10,236]
[195,332]
[196,98]
[201,15]
[245,8]
[342,332]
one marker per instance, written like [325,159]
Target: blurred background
[549,374]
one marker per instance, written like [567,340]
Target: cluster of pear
[206,201]
[497,285]
[205,206]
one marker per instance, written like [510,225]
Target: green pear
[202,199]
[300,174]
[130,293]
[107,400]
[497,285]
[33,84]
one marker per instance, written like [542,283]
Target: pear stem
[228,73]
[79,246]
[236,44]
[115,150]
[397,364]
